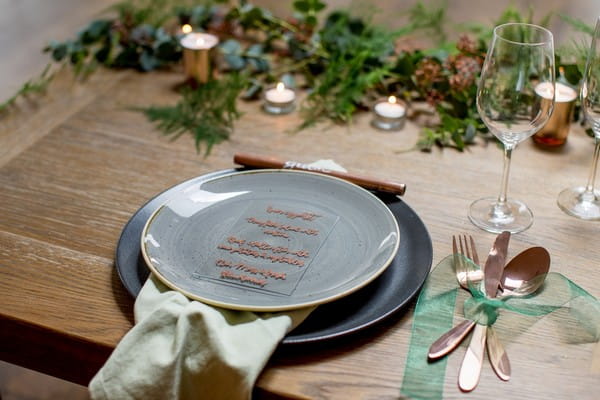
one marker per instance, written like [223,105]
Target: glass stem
[592,178]
[505,172]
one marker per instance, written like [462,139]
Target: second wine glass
[584,201]
[515,98]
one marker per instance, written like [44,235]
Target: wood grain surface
[75,168]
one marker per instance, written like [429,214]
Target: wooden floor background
[27,25]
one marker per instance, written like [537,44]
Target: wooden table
[77,163]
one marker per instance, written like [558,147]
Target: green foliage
[307,11]
[578,24]
[151,12]
[428,19]
[207,112]
[575,55]
[342,60]
[238,58]
[32,86]
[339,91]
[358,59]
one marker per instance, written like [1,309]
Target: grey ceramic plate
[277,240]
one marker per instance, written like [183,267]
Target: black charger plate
[394,289]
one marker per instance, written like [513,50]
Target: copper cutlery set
[522,276]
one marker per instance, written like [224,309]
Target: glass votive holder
[197,55]
[556,130]
[389,114]
[279,100]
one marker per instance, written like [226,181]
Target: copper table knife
[255,161]
[470,369]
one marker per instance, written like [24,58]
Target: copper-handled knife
[367,182]
[470,369]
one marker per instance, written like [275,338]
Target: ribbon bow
[434,313]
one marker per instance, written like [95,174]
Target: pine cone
[434,97]
[466,45]
[428,72]
[466,70]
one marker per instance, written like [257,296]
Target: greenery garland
[344,61]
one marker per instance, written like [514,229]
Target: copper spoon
[523,275]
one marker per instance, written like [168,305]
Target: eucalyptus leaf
[200,16]
[258,64]
[58,50]
[148,61]
[103,53]
[162,36]
[470,133]
[234,62]
[288,80]
[95,31]
[256,50]
[253,91]
[231,46]
[143,34]
[127,58]
[167,50]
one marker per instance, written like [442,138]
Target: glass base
[580,203]
[513,216]
[279,108]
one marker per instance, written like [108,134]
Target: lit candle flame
[187,28]
[280,87]
[392,99]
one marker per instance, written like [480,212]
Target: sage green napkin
[184,349]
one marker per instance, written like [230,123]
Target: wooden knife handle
[255,161]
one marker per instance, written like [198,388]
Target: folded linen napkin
[184,349]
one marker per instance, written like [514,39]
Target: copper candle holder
[197,55]
[556,130]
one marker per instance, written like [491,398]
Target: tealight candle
[390,114]
[279,100]
[556,130]
[197,60]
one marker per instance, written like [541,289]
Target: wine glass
[584,201]
[515,98]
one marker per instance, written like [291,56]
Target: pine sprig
[207,112]
[356,61]
[32,86]
[578,24]
[426,18]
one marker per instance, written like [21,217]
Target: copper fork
[465,248]
[462,246]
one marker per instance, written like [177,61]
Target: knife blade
[496,353]
[494,265]
[470,369]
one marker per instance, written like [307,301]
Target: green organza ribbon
[434,314]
